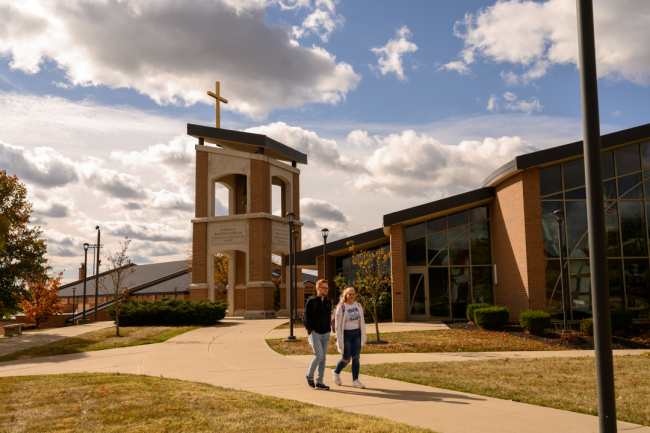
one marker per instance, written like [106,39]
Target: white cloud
[413,165]
[173,51]
[539,35]
[322,21]
[390,55]
[616,113]
[510,96]
[359,138]
[457,66]
[524,106]
[43,166]
[493,105]
[317,215]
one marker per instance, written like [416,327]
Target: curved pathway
[234,354]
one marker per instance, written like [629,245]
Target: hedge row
[534,322]
[472,307]
[491,317]
[176,312]
[621,320]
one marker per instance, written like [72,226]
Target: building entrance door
[438,285]
[418,295]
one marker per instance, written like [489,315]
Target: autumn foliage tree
[43,298]
[221,272]
[22,255]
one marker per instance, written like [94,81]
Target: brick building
[499,244]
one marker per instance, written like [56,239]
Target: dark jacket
[318,313]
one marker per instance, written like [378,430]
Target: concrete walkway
[234,354]
[370,329]
[32,339]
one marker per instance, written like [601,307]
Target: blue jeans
[351,349]
[319,342]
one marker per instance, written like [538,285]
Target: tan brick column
[398,272]
[199,288]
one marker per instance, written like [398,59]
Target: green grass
[134,403]
[100,340]
[449,340]
[561,383]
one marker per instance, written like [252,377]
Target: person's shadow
[407,395]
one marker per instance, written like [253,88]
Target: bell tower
[247,165]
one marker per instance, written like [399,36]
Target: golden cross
[219,99]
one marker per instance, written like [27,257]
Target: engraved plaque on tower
[228,234]
[280,234]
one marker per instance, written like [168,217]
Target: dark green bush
[621,320]
[587,326]
[472,307]
[491,317]
[534,322]
[384,308]
[177,312]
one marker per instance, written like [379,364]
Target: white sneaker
[358,384]
[337,378]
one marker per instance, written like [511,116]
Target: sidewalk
[32,339]
[234,354]
[370,329]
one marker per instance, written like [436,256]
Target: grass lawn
[562,383]
[100,340]
[450,340]
[134,403]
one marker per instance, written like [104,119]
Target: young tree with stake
[114,283]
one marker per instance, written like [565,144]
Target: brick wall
[259,262]
[398,270]
[517,244]
[259,298]
[260,186]
[240,299]
[296,195]
[240,188]
[198,294]
[331,273]
[199,252]
[201,203]
[240,267]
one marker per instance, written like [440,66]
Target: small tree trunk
[376,319]
[117,322]
[37,322]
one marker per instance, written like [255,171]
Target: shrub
[535,322]
[587,326]
[176,312]
[491,317]
[621,320]
[472,307]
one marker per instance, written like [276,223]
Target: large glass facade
[627,209]
[456,253]
[345,267]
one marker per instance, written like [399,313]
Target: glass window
[439,292]
[613,231]
[627,160]
[482,284]
[550,179]
[576,228]
[615,272]
[416,252]
[576,194]
[574,173]
[647,189]
[458,219]
[549,228]
[646,174]
[478,214]
[554,197]
[437,248]
[609,189]
[415,231]
[343,262]
[629,187]
[608,164]
[418,296]
[645,154]
[437,225]
[580,283]
[633,231]
[460,292]
[553,289]
[480,244]
[459,246]
[636,288]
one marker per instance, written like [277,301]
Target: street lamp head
[291,217]
[325,233]
[559,216]
[86,245]
[74,289]
[295,234]
[97,228]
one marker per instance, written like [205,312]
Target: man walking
[318,312]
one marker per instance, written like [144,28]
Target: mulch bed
[637,337]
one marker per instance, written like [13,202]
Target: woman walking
[350,330]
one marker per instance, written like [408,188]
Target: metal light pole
[74,306]
[596,218]
[325,232]
[559,217]
[290,219]
[99,246]
[295,272]
[86,245]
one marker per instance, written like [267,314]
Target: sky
[395,103]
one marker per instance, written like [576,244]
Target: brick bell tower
[247,165]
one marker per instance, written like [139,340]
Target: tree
[43,298]
[221,272]
[373,277]
[4,232]
[23,254]
[114,284]
[341,284]
[275,266]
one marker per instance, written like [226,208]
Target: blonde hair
[344,295]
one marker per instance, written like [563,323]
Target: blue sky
[94,97]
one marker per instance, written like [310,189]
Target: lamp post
[74,306]
[596,218]
[559,217]
[99,246]
[291,217]
[325,232]
[295,272]
[86,245]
